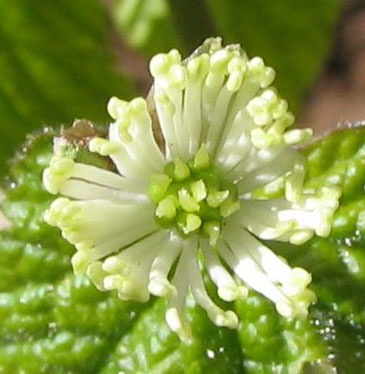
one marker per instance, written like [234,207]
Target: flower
[196,201]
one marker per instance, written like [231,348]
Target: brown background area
[338,97]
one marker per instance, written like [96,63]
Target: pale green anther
[258,110]
[61,166]
[267,77]
[221,318]
[201,159]
[297,136]
[283,122]
[84,245]
[216,198]
[262,119]
[197,68]
[198,190]
[60,170]
[124,125]
[177,76]
[283,227]
[234,81]
[158,187]
[299,237]
[112,264]
[181,170]
[307,297]
[72,235]
[69,212]
[212,229]
[324,228]
[280,108]
[138,106]
[116,107]
[271,98]
[50,218]
[260,138]
[219,60]
[192,223]
[80,262]
[58,205]
[55,214]
[160,286]
[188,202]
[166,208]
[258,71]
[299,280]
[255,65]
[130,290]
[113,282]
[236,68]
[294,183]
[96,273]
[237,63]
[161,63]
[231,293]
[103,147]
[277,128]
[228,207]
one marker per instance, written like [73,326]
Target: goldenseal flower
[194,202]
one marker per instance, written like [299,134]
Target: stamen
[228,289]
[174,313]
[217,315]
[159,285]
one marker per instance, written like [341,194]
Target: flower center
[191,197]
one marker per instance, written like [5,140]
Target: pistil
[191,197]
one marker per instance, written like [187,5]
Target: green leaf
[146,25]
[272,344]
[212,350]
[56,65]
[293,36]
[337,263]
[51,321]
[341,287]
[55,322]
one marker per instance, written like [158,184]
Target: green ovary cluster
[191,198]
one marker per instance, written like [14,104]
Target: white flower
[163,216]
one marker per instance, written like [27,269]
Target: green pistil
[192,199]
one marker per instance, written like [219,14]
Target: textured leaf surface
[55,65]
[55,322]
[338,264]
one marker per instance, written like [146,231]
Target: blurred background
[63,60]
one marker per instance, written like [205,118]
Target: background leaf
[55,322]
[146,25]
[337,263]
[294,37]
[56,64]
